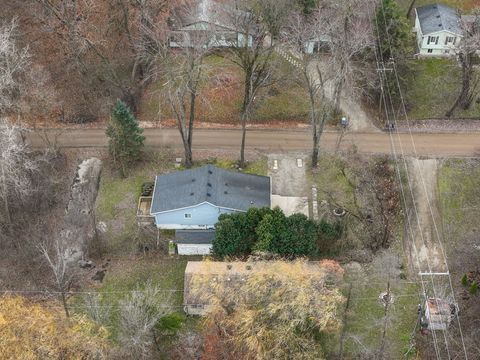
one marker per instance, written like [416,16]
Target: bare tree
[13,61]
[251,54]
[55,255]
[140,313]
[349,31]
[314,74]
[182,71]
[16,167]
[85,40]
[466,50]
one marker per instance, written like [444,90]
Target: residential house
[438,30]
[194,199]
[209,22]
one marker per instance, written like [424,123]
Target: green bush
[271,231]
[465,280]
[235,233]
[171,323]
[473,288]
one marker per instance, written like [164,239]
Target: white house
[210,23]
[438,30]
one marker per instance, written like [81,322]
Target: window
[447,51]
[432,40]
[188,216]
[429,51]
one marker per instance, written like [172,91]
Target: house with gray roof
[195,198]
[438,30]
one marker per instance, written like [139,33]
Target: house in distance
[438,29]
[194,199]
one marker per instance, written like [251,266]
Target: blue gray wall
[203,216]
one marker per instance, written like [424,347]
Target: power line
[424,185]
[385,99]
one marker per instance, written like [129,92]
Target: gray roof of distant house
[438,17]
[222,188]
[196,237]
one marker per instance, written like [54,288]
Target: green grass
[459,198]
[365,319]
[432,86]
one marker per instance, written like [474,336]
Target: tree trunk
[385,323]
[244,114]
[337,95]
[65,307]
[242,146]
[5,198]
[315,150]
[464,99]
[189,140]
[410,8]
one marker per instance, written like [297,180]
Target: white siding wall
[440,47]
[194,249]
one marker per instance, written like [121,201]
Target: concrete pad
[291,204]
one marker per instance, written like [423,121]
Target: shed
[194,242]
[438,313]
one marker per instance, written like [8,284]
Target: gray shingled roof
[438,17]
[194,236]
[208,183]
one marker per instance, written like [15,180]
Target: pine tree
[392,29]
[125,137]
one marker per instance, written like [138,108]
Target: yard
[130,269]
[432,86]
[128,266]
[465,5]
[222,95]
[342,182]
[459,199]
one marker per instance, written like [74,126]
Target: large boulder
[79,228]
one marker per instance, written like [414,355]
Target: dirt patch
[127,203]
[426,252]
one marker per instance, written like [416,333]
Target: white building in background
[211,18]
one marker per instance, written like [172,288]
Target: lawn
[222,94]
[464,5]
[459,199]
[432,86]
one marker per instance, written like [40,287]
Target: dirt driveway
[426,254]
[289,182]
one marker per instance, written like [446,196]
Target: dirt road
[432,145]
